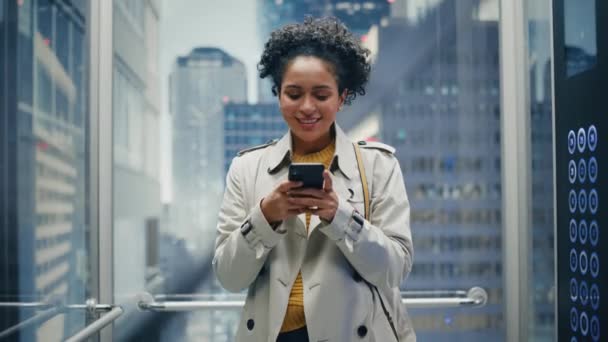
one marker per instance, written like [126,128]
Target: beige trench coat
[338,305]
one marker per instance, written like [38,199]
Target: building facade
[248,125]
[201,84]
[43,165]
[434,96]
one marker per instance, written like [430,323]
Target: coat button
[362,331]
[250,324]
[362,142]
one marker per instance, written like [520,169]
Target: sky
[230,25]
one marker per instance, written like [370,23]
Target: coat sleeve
[239,257]
[381,250]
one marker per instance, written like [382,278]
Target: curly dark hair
[326,38]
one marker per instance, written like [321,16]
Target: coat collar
[344,157]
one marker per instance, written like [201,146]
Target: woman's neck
[301,147]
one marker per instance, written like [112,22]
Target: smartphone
[310,174]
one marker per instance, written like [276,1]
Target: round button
[573,319]
[594,265]
[582,140]
[250,324]
[584,324]
[362,331]
[572,201]
[572,171]
[571,142]
[582,262]
[593,201]
[582,201]
[592,170]
[592,138]
[595,328]
[594,233]
[582,170]
[573,231]
[573,260]
[594,295]
[573,290]
[582,231]
[584,293]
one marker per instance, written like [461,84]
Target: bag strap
[363,181]
[367,217]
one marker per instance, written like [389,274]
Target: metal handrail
[49,309]
[90,305]
[97,325]
[474,297]
[36,319]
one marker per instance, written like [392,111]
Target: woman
[314,267]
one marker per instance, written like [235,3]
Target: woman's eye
[293,96]
[322,97]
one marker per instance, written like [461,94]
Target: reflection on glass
[541,264]
[580,35]
[43,158]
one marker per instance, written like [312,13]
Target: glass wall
[44,174]
[435,96]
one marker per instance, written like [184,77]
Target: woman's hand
[276,207]
[323,203]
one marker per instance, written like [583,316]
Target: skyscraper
[358,15]
[248,125]
[434,95]
[136,147]
[201,83]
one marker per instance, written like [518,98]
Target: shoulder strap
[363,181]
[367,217]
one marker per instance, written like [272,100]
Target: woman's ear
[343,98]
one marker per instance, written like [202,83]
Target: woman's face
[309,100]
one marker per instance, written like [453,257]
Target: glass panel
[434,95]
[139,218]
[542,264]
[44,175]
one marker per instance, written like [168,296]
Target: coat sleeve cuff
[343,226]
[261,237]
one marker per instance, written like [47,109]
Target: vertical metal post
[101,62]
[516,166]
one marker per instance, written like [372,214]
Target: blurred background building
[43,164]
[201,83]
[247,125]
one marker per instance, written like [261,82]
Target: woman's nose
[308,105]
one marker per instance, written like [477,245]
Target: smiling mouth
[309,121]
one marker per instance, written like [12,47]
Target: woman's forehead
[312,71]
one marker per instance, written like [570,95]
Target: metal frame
[516,166]
[554,142]
[101,146]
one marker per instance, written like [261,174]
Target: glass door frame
[516,167]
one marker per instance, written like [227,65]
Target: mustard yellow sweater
[294,317]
